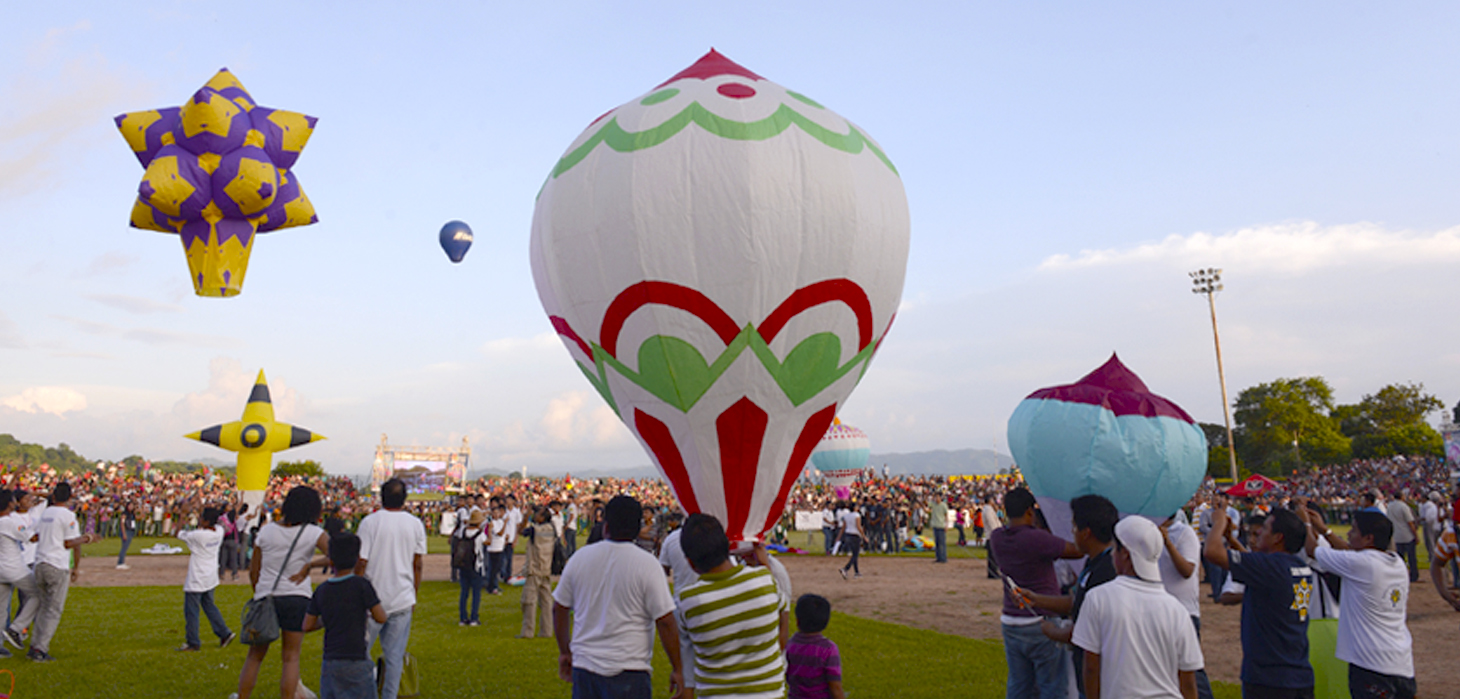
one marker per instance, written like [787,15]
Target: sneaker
[224,642]
[461,624]
[474,623]
[14,639]
[189,647]
[5,653]
[38,655]
[843,572]
[123,567]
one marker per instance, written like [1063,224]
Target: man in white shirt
[204,544]
[514,523]
[392,544]
[1138,639]
[1180,554]
[1429,518]
[15,535]
[1372,635]
[614,596]
[1405,532]
[59,533]
[671,557]
[570,527]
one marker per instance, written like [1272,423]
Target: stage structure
[424,469]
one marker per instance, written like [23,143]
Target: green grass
[118,642]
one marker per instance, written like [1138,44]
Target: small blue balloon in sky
[456,240]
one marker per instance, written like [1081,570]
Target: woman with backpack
[467,557]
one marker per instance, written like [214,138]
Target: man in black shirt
[1094,527]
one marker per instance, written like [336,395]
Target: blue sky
[1065,166]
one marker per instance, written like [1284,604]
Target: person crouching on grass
[203,577]
[339,606]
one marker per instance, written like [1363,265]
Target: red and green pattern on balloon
[722,257]
[218,171]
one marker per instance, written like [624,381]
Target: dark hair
[393,494]
[301,506]
[1287,523]
[813,613]
[1255,520]
[1375,525]
[704,542]
[623,518]
[61,493]
[344,551]
[1017,502]
[210,516]
[1096,513]
[6,498]
[333,525]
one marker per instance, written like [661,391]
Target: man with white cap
[1138,639]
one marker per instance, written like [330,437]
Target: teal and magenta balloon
[1107,434]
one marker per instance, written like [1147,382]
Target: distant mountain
[940,462]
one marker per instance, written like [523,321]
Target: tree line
[64,460]
[1290,424]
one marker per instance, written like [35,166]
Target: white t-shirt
[390,541]
[1143,635]
[29,518]
[1430,514]
[851,521]
[203,545]
[1400,514]
[57,524]
[498,541]
[671,554]
[1372,633]
[570,517]
[617,591]
[1187,591]
[273,541]
[782,577]
[15,536]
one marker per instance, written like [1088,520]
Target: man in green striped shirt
[737,619]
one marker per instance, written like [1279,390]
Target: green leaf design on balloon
[674,371]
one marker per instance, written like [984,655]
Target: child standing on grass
[339,606]
[202,579]
[813,664]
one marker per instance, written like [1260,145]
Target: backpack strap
[287,554]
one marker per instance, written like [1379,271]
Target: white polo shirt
[1187,590]
[616,591]
[203,545]
[1372,633]
[15,536]
[390,541]
[57,524]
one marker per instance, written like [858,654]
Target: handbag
[260,621]
[410,677]
[560,558]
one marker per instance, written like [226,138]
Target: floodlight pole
[1209,282]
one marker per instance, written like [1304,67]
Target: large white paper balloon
[1107,434]
[722,257]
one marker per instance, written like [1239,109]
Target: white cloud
[56,400]
[580,418]
[229,385]
[9,333]
[136,305]
[150,336]
[1288,248]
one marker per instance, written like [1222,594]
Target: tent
[1254,485]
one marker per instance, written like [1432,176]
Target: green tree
[307,467]
[1392,422]
[1286,423]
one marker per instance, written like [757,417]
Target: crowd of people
[1131,614]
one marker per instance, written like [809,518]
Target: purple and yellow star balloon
[218,171]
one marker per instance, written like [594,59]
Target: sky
[1065,165]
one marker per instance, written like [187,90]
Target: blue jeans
[346,678]
[940,544]
[127,536]
[1036,664]
[830,535]
[471,585]
[204,600]
[570,541]
[506,564]
[628,684]
[1216,576]
[394,635]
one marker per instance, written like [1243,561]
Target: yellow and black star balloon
[256,437]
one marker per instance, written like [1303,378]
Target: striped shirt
[812,663]
[1445,548]
[733,619]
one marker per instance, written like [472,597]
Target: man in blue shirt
[1275,605]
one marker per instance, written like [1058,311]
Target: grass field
[118,642]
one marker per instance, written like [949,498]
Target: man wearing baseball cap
[1138,639]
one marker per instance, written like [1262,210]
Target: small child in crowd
[813,664]
[339,606]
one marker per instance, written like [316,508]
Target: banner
[1452,446]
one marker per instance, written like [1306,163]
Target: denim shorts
[347,678]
